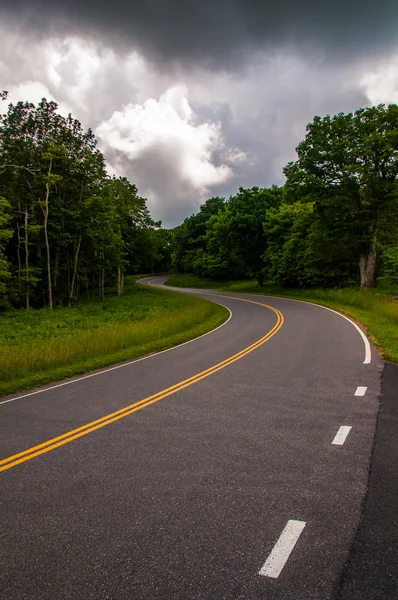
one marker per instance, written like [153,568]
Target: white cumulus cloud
[173,141]
[381,83]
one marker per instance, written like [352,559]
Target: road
[238,470]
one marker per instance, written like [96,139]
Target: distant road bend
[232,467]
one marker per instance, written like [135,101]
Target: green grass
[377,310]
[40,346]
[186,281]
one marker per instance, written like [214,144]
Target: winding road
[232,467]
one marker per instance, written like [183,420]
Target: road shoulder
[372,569]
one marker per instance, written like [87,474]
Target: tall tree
[73,226]
[239,231]
[348,164]
[190,237]
[5,236]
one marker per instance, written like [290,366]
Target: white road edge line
[125,364]
[360,391]
[368,353]
[282,549]
[341,435]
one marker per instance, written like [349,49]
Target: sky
[192,99]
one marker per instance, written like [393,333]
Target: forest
[68,229]
[333,224]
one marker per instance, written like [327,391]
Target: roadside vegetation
[40,346]
[333,224]
[329,235]
[377,309]
[72,237]
[67,228]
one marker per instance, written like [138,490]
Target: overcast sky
[190,99]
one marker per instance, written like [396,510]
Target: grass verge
[377,310]
[40,346]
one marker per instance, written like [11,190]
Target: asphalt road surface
[234,467]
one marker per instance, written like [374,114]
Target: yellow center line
[65,438]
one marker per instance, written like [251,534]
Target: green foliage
[337,212]
[194,281]
[73,228]
[299,254]
[5,236]
[348,165]
[190,237]
[390,272]
[226,238]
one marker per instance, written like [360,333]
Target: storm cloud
[192,99]
[217,33]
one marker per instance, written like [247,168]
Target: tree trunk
[120,281]
[101,286]
[100,277]
[45,211]
[19,251]
[75,265]
[92,285]
[26,219]
[101,282]
[56,266]
[367,266]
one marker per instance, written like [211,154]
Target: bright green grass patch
[377,310]
[40,346]
[186,281]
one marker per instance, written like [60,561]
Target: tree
[50,180]
[5,236]
[390,272]
[226,239]
[239,231]
[73,227]
[348,164]
[190,237]
[138,244]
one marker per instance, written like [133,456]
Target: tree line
[333,223]
[67,228]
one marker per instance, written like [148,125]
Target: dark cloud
[217,33]
[257,71]
[270,140]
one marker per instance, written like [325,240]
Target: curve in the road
[368,351]
[127,363]
[52,444]
[189,498]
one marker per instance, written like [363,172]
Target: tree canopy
[66,227]
[348,165]
[337,210]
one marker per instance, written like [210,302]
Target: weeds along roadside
[41,346]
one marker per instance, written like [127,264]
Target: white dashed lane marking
[341,435]
[360,391]
[282,549]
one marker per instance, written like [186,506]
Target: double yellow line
[65,438]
